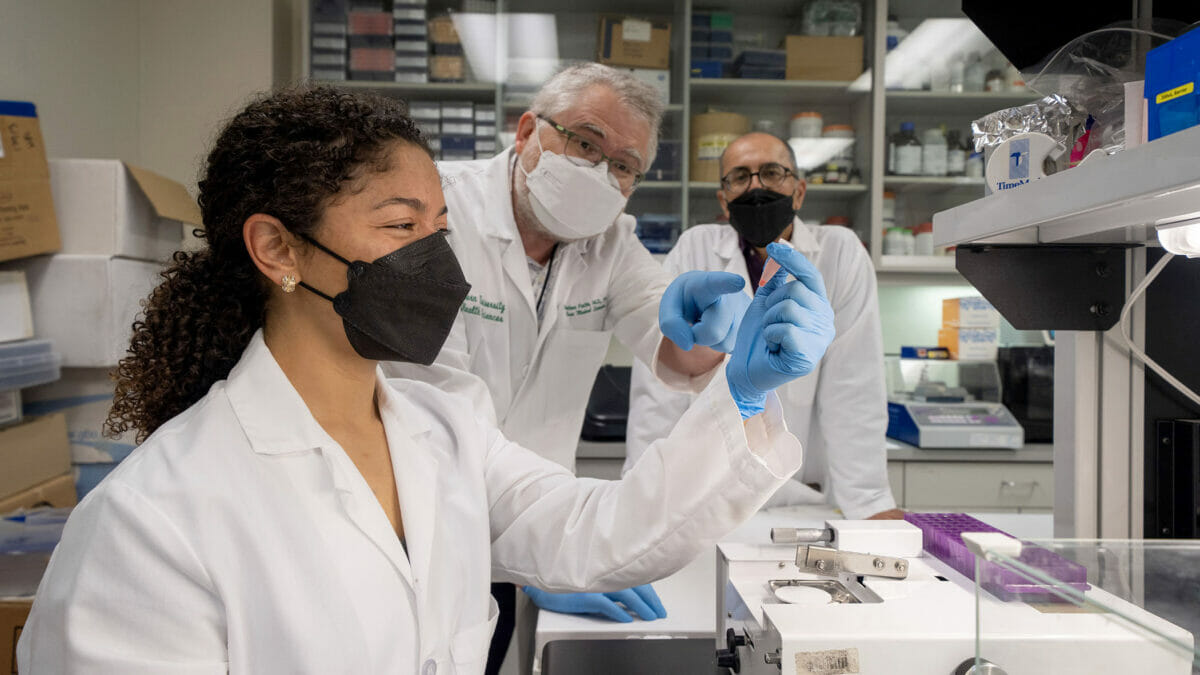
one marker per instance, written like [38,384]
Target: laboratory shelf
[930,264]
[659,185]
[522,103]
[479,92]
[932,184]
[901,102]
[778,92]
[815,190]
[1106,199]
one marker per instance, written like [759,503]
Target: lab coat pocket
[469,647]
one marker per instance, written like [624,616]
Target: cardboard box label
[636,30]
[27,223]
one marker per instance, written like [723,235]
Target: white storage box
[107,207]
[85,396]
[86,304]
[16,317]
[27,364]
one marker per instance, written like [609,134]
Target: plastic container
[807,125]
[28,363]
[933,152]
[889,210]
[975,74]
[975,165]
[956,155]
[923,239]
[942,535]
[905,158]
[895,34]
[846,154]
[894,241]
[957,73]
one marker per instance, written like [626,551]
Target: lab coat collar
[274,417]
[802,240]
[498,174]
[270,410]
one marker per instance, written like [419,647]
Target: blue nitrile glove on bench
[640,599]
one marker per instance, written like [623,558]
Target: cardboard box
[634,42]
[87,304]
[710,134]
[659,79]
[970,344]
[824,58]
[107,207]
[58,492]
[17,315]
[27,223]
[13,614]
[969,312]
[84,396]
[33,452]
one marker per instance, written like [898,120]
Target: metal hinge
[831,562]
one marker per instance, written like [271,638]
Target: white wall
[145,81]
[78,62]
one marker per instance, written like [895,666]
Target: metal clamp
[831,562]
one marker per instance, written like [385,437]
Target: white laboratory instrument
[888,609]
[949,404]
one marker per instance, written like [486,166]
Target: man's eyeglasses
[583,148]
[771,175]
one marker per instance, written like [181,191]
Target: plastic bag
[1091,71]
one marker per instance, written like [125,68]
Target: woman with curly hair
[290,510]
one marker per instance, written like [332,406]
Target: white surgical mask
[571,198]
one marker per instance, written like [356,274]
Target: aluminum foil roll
[1052,115]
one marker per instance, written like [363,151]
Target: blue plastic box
[708,68]
[1172,98]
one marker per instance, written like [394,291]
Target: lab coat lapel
[569,267]
[278,422]
[732,259]
[416,467]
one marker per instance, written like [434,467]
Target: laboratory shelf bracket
[1049,286]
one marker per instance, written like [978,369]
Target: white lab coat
[241,538]
[535,383]
[839,411]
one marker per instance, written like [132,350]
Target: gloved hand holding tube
[703,308]
[641,600]
[783,334]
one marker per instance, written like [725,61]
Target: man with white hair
[555,271]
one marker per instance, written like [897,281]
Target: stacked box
[485,131]
[761,64]
[428,116]
[446,60]
[409,29]
[372,48]
[712,44]
[458,130]
[970,329]
[667,161]
[328,57]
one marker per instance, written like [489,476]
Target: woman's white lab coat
[535,380]
[241,538]
[839,411]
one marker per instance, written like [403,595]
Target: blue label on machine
[1018,158]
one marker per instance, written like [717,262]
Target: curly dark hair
[287,154]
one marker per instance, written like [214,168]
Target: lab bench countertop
[898,451]
[689,594]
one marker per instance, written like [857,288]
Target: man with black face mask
[841,414]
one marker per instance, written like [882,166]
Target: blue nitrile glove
[703,308]
[784,333]
[640,599]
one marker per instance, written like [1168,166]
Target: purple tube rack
[943,540]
